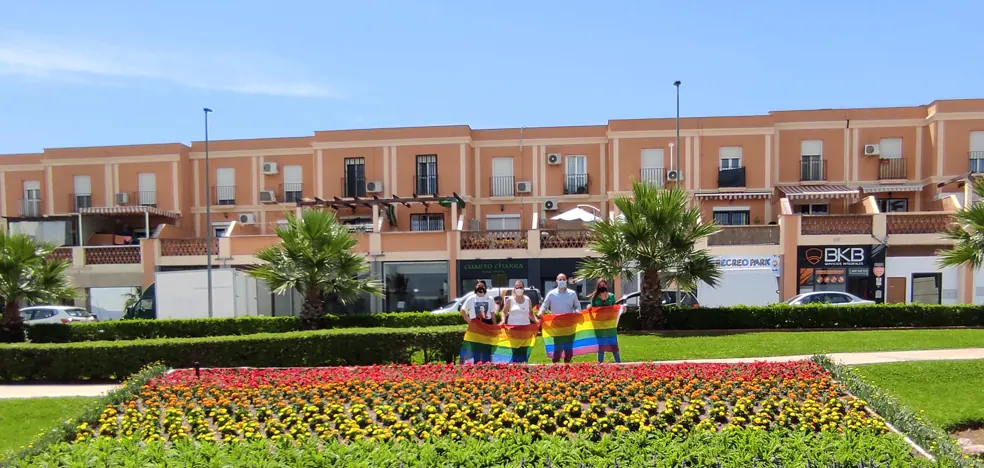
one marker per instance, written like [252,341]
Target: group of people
[517,308]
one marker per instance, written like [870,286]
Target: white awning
[576,214]
[131,210]
[733,195]
[818,192]
[891,188]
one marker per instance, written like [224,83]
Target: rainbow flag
[585,333]
[497,343]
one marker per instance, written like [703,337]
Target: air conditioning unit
[550,205]
[247,218]
[674,176]
[269,168]
[872,150]
[524,186]
[554,159]
[122,198]
[268,196]
[374,187]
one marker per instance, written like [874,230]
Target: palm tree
[27,276]
[131,298]
[315,258]
[968,234]
[656,235]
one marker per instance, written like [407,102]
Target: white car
[834,298]
[55,314]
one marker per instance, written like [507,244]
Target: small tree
[656,235]
[315,258]
[968,234]
[27,276]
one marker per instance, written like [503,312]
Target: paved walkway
[879,357]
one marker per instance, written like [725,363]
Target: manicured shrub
[116,359]
[191,328]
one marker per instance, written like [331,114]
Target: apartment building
[838,199]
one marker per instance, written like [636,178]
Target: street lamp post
[676,84]
[208,220]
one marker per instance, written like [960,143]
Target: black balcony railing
[292,192]
[731,177]
[502,186]
[353,187]
[813,169]
[225,195]
[653,175]
[892,169]
[81,200]
[575,184]
[30,207]
[426,184]
[976,161]
[146,198]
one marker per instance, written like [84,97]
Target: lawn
[675,346]
[22,419]
[949,392]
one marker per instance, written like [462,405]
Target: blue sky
[104,73]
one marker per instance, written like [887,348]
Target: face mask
[518,292]
[602,289]
[562,284]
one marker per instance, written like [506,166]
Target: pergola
[127,211]
[374,202]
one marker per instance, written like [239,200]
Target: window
[83,192]
[977,151]
[415,285]
[811,154]
[501,184]
[893,205]
[147,189]
[354,181]
[890,148]
[652,166]
[927,288]
[731,217]
[811,209]
[836,298]
[427,222]
[293,183]
[31,204]
[730,157]
[576,175]
[225,186]
[503,223]
[427,174]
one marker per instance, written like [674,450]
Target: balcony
[918,223]
[653,175]
[813,170]
[502,186]
[146,198]
[292,192]
[976,161]
[61,253]
[187,247]
[565,238]
[891,169]
[353,187]
[224,195]
[425,184]
[731,177]
[821,225]
[576,184]
[81,200]
[745,235]
[29,208]
[493,240]
[127,254]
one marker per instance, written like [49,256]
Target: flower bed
[487,402]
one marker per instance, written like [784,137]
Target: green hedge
[191,328]
[815,316]
[116,359]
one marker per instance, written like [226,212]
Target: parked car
[631,300]
[828,297]
[454,306]
[55,314]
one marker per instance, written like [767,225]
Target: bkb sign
[835,256]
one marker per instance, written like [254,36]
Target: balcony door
[355,177]
[652,166]
[427,174]
[225,187]
[977,151]
[502,177]
[293,183]
[577,175]
[83,192]
[147,186]
[32,199]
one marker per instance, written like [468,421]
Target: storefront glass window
[415,286]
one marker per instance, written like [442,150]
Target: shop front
[496,273]
[745,280]
[855,269]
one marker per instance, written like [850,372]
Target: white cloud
[101,63]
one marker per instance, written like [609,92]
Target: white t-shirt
[518,314]
[479,307]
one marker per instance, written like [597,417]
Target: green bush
[815,316]
[191,328]
[114,359]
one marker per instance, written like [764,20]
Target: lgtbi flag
[583,333]
[497,343]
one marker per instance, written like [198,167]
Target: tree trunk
[313,310]
[12,324]
[651,301]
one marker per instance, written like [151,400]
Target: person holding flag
[602,297]
[558,301]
